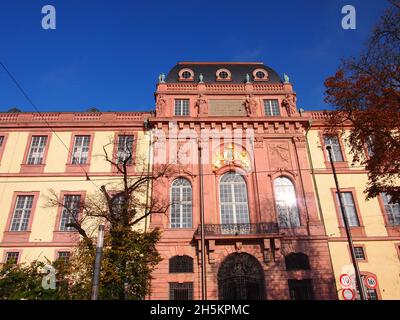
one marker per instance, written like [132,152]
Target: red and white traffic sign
[345,280]
[371,282]
[348,294]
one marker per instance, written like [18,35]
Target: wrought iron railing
[239,228]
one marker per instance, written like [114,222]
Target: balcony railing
[238,229]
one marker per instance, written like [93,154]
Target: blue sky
[108,54]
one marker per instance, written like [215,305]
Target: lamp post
[97,263]
[347,228]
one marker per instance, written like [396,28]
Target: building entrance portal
[241,277]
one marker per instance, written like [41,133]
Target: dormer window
[186,75]
[223,75]
[260,75]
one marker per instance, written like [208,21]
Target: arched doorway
[241,277]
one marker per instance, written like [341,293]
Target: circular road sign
[371,282]
[348,294]
[345,280]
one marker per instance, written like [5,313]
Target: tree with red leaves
[366,96]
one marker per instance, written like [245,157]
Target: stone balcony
[238,230]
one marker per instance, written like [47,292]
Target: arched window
[286,203]
[297,261]
[233,199]
[181,204]
[180,264]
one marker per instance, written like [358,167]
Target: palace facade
[248,161]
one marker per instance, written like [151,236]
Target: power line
[43,118]
[169,175]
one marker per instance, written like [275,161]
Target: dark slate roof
[209,69]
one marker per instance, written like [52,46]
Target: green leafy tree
[24,281]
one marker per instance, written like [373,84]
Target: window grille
[181,264]
[181,291]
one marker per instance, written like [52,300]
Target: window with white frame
[12,257]
[349,208]
[118,204]
[371,294]
[70,212]
[286,203]
[271,107]
[359,253]
[336,151]
[125,148]
[370,146]
[181,107]
[22,213]
[36,150]
[80,152]
[392,209]
[233,200]
[63,256]
[181,204]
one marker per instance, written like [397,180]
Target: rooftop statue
[201,78]
[161,78]
[286,77]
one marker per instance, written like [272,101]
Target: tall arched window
[286,203]
[181,204]
[233,199]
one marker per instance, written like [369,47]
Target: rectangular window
[271,107]
[63,256]
[349,208]
[36,150]
[80,152]
[371,294]
[2,140]
[301,289]
[181,291]
[118,204]
[22,213]
[182,107]
[336,151]
[392,209]
[370,146]
[70,211]
[12,257]
[125,148]
[359,253]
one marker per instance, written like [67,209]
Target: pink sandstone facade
[245,241]
[272,224]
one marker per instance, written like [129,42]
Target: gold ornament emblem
[231,156]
